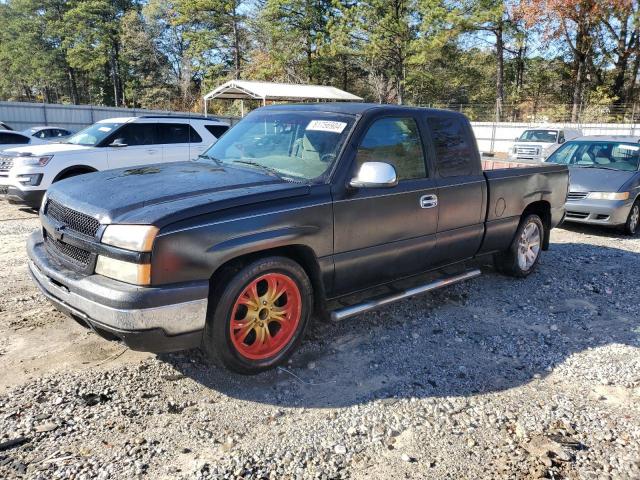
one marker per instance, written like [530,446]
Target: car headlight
[138,238]
[608,195]
[135,273]
[34,161]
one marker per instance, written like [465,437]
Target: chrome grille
[5,163]
[72,219]
[527,150]
[69,252]
[577,195]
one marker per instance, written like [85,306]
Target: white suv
[27,172]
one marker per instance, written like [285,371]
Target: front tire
[524,252]
[258,315]
[633,220]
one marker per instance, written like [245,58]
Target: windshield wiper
[600,167]
[263,167]
[209,157]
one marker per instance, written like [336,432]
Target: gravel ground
[493,378]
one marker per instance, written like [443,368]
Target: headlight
[138,238]
[135,273]
[34,161]
[608,195]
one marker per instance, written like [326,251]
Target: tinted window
[12,139]
[451,142]
[395,141]
[134,134]
[216,130]
[178,133]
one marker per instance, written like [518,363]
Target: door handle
[428,201]
[151,151]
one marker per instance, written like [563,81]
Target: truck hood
[165,193]
[597,179]
[48,149]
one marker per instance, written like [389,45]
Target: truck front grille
[577,195]
[72,219]
[5,163]
[67,251]
[529,151]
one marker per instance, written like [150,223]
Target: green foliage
[458,54]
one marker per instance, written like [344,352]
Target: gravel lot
[494,378]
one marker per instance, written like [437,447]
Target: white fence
[491,136]
[22,115]
[499,137]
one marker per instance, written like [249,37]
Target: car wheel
[633,220]
[258,315]
[524,252]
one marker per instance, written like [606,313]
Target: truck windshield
[93,134]
[545,136]
[301,145]
[604,155]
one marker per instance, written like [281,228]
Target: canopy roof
[246,90]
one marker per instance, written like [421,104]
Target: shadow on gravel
[585,229]
[489,334]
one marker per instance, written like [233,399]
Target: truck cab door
[381,234]
[462,188]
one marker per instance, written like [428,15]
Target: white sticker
[326,126]
[104,129]
[633,148]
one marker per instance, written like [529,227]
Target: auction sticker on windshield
[326,126]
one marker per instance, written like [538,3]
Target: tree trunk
[236,43]
[500,69]
[73,86]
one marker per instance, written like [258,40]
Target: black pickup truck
[291,209]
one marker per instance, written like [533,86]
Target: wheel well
[300,254]
[541,208]
[75,170]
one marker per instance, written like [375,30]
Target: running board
[346,312]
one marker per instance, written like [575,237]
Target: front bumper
[30,198]
[154,319]
[598,212]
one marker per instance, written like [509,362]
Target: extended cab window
[134,134]
[396,141]
[453,149]
[178,133]
[217,130]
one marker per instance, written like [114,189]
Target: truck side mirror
[375,175]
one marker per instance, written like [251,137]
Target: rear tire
[258,315]
[523,255]
[633,220]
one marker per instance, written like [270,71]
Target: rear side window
[452,145]
[217,130]
[13,139]
[178,133]
[395,141]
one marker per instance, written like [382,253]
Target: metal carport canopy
[251,90]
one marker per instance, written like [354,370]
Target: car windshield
[546,136]
[300,145]
[604,155]
[93,134]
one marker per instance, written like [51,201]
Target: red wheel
[257,314]
[265,316]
